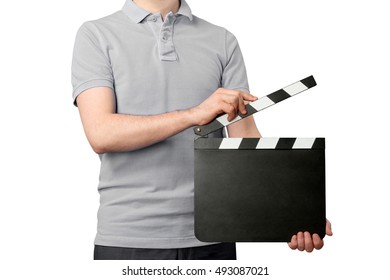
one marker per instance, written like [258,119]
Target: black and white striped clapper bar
[258,189]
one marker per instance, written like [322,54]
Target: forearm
[245,128]
[121,133]
[110,132]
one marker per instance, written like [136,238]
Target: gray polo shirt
[153,67]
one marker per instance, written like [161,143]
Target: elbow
[99,149]
[99,144]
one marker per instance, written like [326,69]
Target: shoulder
[104,24]
[213,29]
[199,22]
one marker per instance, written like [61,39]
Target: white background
[49,173]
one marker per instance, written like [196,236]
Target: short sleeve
[234,74]
[90,64]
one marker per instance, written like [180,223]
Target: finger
[230,110]
[328,228]
[294,243]
[308,242]
[232,100]
[317,241]
[301,241]
[237,99]
[241,106]
[248,96]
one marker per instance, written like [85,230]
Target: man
[142,77]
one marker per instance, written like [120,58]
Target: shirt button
[154,19]
[164,38]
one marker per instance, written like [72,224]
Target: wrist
[189,117]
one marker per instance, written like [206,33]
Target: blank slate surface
[263,189]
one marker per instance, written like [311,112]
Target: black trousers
[221,251]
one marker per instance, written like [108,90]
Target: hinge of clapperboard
[256,106]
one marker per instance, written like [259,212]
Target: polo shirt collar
[137,14]
[185,10]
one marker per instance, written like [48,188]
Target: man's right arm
[110,132]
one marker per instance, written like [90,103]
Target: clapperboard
[258,189]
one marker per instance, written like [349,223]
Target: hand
[303,241]
[222,101]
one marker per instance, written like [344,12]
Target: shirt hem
[90,84]
[240,89]
[150,243]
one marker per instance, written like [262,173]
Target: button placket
[167,48]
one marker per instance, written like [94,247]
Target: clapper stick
[258,105]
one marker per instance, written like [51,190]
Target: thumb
[328,229]
[249,97]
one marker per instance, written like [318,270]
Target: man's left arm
[235,77]
[245,128]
